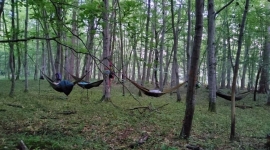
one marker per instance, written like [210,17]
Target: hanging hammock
[154,93]
[87,85]
[64,86]
[228,97]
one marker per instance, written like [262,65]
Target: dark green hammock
[87,85]
[228,97]
[153,93]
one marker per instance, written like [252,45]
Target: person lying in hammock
[155,91]
[58,78]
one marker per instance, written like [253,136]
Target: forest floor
[46,119]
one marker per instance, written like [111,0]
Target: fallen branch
[193,147]
[68,112]
[14,105]
[243,106]
[22,146]
[141,140]
[150,107]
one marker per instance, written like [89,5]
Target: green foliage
[41,123]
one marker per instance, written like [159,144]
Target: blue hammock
[64,86]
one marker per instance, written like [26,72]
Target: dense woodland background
[154,42]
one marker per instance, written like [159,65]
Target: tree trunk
[268,52]
[162,45]
[175,45]
[37,52]
[245,65]
[18,50]
[121,49]
[188,53]
[146,44]
[229,65]
[223,61]
[235,72]
[71,54]
[211,59]
[106,51]
[190,99]
[263,84]
[58,55]
[26,48]
[2,3]
[11,52]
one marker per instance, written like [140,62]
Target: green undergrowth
[45,119]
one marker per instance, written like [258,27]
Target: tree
[26,48]
[106,51]
[236,68]
[188,53]
[175,66]
[268,53]
[211,59]
[263,84]
[146,44]
[11,51]
[2,3]
[190,99]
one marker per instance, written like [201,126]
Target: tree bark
[175,45]
[106,51]
[263,84]
[245,65]
[229,65]
[211,59]
[121,48]
[223,61]
[236,68]
[190,99]
[161,50]
[146,44]
[2,3]
[268,52]
[26,48]
[18,49]
[11,52]
[188,53]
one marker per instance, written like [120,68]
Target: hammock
[85,84]
[154,93]
[228,97]
[64,86]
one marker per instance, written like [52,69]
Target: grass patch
[46,119]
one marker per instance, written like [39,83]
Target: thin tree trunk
[263,84]
[37,52]
[11,52]
[223,63]
[211,59]
[229,65]
[2,3]
[235,72]
[174,48]
[146,44]
[18,50]
[188,53]
[106,51]
[26,48]
[245,65]
[190,99]
[121,48]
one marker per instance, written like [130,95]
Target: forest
[134,74]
